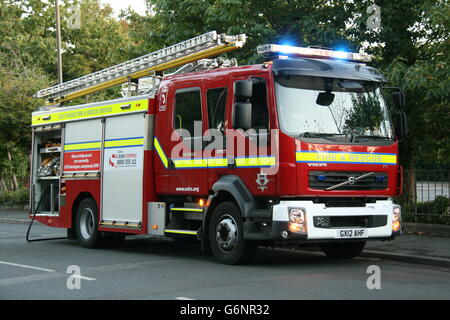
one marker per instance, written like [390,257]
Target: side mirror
[401,128]
[243,89]
[399,99]
[325,98]
[242,115]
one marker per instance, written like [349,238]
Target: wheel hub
[227,233]
[87,223]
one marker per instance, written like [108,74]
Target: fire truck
[299,149]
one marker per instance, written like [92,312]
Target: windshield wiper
[370,137]
[319,135]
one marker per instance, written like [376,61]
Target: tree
[28,64]
[305,22]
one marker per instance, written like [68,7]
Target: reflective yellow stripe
[160,152]
[90,112]
[82,146]
[190,163]
[222,162]
[181,231]
[187,209]
[255,162]
[124,142]
[217,162]
[200,163]
[346,157]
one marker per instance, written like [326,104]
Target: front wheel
[345,250]
[226,235]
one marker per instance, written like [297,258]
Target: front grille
[350,221]
[321,180]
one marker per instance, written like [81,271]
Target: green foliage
[14,199]
[439,207]
[366,114]
[100,42]
[28,64]
[308,22]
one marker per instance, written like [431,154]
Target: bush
[436,211]
[14,199]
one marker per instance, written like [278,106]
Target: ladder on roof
[204,46]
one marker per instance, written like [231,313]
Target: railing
[426,196]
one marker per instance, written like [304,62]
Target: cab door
[188,174]
[254,158]
[218,103]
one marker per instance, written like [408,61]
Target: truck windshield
[313,107]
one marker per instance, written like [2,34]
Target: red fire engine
[298,149]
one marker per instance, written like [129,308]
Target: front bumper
[324,223]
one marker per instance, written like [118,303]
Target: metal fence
[426,196]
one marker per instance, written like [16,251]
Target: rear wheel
[87,228]
[345,250]
[226,235]
[87,224]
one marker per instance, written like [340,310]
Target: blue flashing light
[287,48]
[341,53]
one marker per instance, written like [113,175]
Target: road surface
[146,268]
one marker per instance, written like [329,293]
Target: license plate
[351,233]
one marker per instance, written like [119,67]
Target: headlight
[297,215]
[297,218]
[396,218]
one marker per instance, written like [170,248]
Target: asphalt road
[146,268]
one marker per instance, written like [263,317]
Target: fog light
[297,227]
[396,218]
[284,234]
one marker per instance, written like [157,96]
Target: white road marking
[83,277]
[183,298]
[26,266]
[31,278]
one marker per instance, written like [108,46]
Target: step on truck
[299,149]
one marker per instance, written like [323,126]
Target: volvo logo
[351,180]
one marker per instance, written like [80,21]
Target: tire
[87,224]
[346,250]
[226,235]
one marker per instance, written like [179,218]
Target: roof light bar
[271,50]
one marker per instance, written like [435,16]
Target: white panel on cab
[123,168]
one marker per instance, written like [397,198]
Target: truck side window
[216,99]
[260,112]
[188,109]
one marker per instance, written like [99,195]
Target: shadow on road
[164,248]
